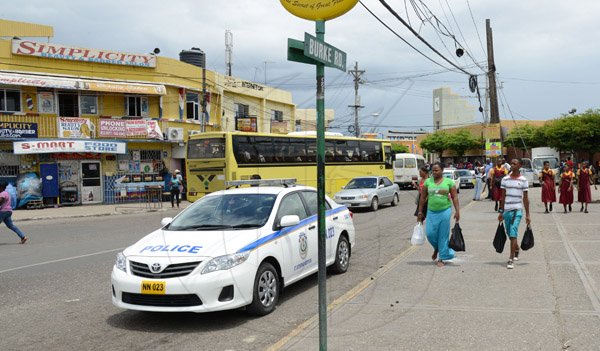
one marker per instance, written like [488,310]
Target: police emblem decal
[303,241]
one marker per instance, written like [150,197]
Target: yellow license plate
[154,287]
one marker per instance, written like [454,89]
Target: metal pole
[322,275]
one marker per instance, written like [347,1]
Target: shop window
[68,105]
[136,106]
[192,106]
[276,115]
[89,104]
[10,100]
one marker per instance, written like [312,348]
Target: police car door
[299,242]
[310,199]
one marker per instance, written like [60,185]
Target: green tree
[399,148]
[436,143]
[579,133]
[462,141]
[525,137]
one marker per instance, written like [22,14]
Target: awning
[62,145]
[51,82]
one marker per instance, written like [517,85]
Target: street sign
[322,52]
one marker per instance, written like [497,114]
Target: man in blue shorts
[514,189]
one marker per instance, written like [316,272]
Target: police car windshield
[228,211]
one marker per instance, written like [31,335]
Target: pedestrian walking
[423,175]
[513,198]
[497,173]
[180,179]
[584,190]
[479,176]
[488,180]
[548,191]
[437,192]
[6,213]
[175,183]
[566,188]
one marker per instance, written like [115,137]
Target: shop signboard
[56,146]
[45,102]
[72,53]
[153,130]
[120,128]
[18,130]
[73,127]
[246,124]
[279,127]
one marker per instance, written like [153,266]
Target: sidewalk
[549,301]
[92,210]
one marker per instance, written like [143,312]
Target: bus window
[264,148]
[329,151]
[206,148]
[399,163]
[370,151]
[244,149]
[410,163]
[389,157]
[297,150]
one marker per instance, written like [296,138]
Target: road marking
[61,260]
[584,274]
[344,298]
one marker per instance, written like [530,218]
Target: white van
[406,169]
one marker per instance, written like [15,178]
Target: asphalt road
[55,291]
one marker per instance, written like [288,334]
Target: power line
[476,30]
[420,37]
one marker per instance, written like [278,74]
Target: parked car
[466,178]
[232,248]
[368,192]
[453,174]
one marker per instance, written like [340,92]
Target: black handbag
[457,242]
[528,240]
[500,238]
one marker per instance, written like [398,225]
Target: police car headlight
[225,262]
[121,262]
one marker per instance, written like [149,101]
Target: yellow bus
[214,158]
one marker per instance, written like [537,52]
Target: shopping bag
[528,241]
[457,242]
[418,237]
[500,238]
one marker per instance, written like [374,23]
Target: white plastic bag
[418,237]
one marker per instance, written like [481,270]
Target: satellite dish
[156,51]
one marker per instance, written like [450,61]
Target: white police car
[232,248]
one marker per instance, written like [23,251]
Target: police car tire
[375,203]
[395,200]
[341,265]
[265,275]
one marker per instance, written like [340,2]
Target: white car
[454,175]
[232,248]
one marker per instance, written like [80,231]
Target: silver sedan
[368,192]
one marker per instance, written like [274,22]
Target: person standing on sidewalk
[566,188]
[513,198]
[437,192]
[584,190]
[497,173]
[488,178]
[6,213]
[547,180]
[479,176]
[175,190]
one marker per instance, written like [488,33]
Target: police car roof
[260,190]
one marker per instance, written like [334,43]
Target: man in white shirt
[514,189]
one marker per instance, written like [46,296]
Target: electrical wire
[476,30]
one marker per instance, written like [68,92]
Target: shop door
[91,182]
[49,173]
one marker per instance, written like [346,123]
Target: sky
[546,51]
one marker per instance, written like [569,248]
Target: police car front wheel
[342,256]
[266,290]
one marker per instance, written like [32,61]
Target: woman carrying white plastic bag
[418,237]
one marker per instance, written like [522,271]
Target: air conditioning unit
[175,134]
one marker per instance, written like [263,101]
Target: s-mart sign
[63,52]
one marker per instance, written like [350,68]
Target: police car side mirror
[166,221]
[289,220]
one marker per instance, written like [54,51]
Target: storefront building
[98,125]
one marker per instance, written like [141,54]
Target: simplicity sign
[322,52]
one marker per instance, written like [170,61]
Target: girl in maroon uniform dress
[566,188]
[498,172]
[547,181]
[584,191]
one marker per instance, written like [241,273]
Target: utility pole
[356,73]
[228,51]
[494,114]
